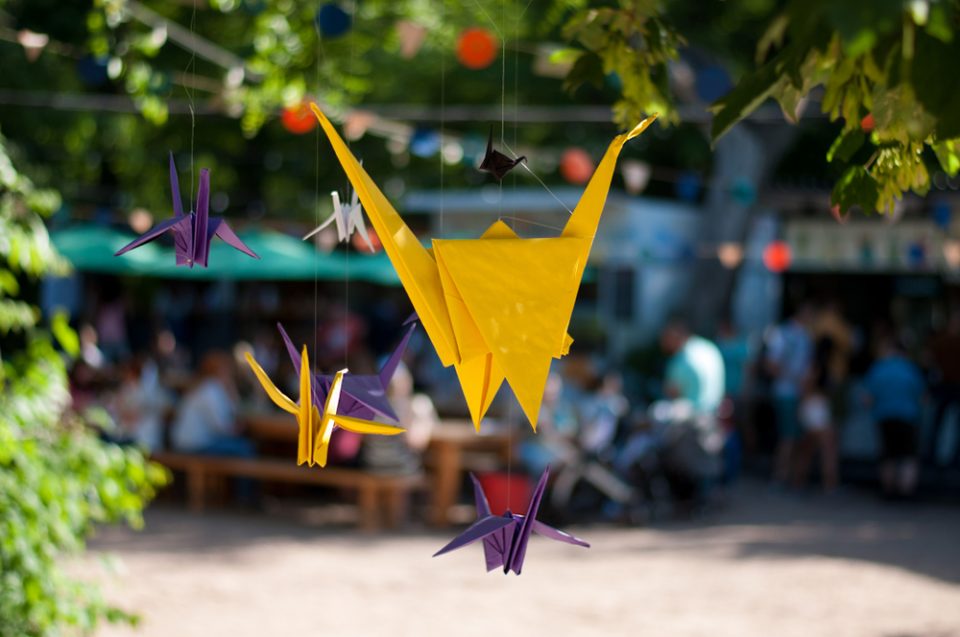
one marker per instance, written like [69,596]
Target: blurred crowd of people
[618,442]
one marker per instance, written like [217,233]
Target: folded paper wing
[316,427]
[496,308]
[363,395]
[192,232]
[496,163]
[505,537]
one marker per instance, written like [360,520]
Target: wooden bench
[375,492]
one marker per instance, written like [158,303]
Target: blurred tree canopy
[875,67]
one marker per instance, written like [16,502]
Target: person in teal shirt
[736,350]
[695,370]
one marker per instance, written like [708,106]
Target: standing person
[736,350]
[895,391]
[829,325]
[945,354]
[817,419]
[789,354]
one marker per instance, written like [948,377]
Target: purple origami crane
[192,232]
[362,396]
[505,536]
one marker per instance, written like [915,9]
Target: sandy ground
[767,564]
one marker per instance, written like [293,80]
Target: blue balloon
[424,142]
[93,71]
[743,192]
[254,7]
[712,83]
[332,20]
[688,186]
[942,214]
[916,255]
[614,81]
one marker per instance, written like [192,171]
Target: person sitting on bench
[206,422]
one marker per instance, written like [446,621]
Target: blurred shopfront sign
[868,246]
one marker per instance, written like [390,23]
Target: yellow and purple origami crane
[498,307]
[316,427]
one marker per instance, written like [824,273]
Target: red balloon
[359,244]
[777,256]
[576,165]
[476,48]
[298,119]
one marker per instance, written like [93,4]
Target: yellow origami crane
[316,428]
[496,308]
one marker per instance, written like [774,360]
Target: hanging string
[503,143]
[191,68]
[503,95]
[316,203]
[537,177]
[443,110]
[346,274]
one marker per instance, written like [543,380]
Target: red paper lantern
[476,48]
[576,166]
[777,256]
[298,119]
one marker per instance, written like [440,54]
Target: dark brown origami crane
[496,163]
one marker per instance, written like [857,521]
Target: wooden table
[448,442]
[274,426]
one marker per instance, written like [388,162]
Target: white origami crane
[347,220]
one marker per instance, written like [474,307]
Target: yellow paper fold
[498,307]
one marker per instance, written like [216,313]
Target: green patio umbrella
[282,258]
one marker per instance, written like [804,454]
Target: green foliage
[633,42]
[888,61]
[57,478]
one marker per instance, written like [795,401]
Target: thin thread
[503,109]
[192,69]
[492,23]
[443,109]
[346,277]
[537,177]
[316,209]
[532,223]
[503,94]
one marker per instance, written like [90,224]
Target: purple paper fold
[362,395]
[505,537]
[192,232]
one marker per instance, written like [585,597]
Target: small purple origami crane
[362,396]
[505,536]
[192,232]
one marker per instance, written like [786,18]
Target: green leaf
[745,97]
[856,187]
[588,69]
[846,145]
[932,76]
[948,154]
[772,37]
[8,283]
[65,335]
